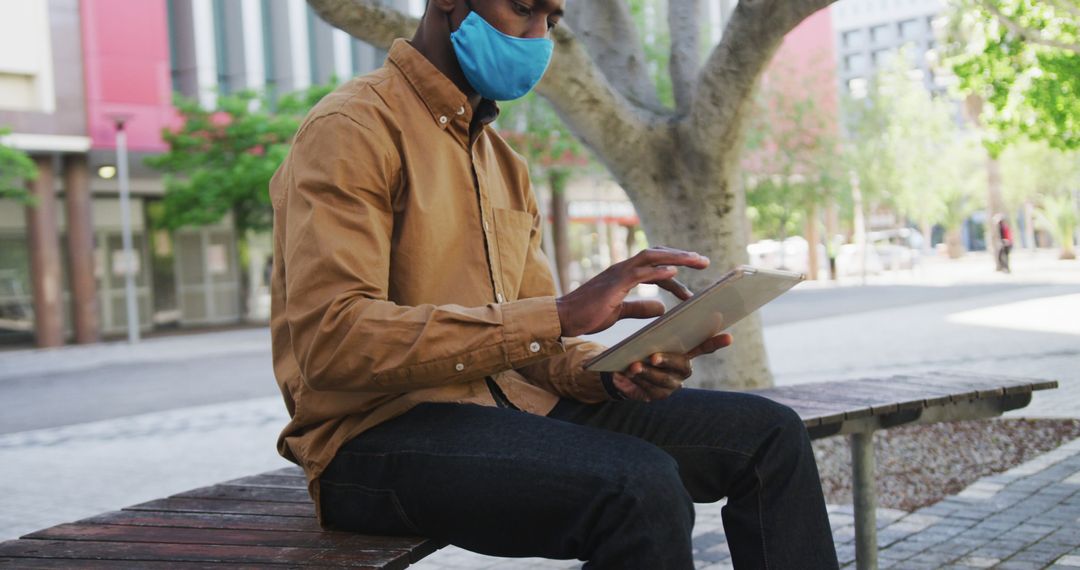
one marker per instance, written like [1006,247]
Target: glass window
[880,34]
[857,87]
[853,39]
[269,67]
[855,62]
[910,29]
[882,57]
[221,48]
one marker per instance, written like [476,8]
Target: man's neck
[433,42]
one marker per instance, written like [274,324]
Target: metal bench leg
[865,496]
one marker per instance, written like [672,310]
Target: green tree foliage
[221,160]
[1023,58]
[1057,214]
[16,169]
[791,157]
[909,151]
[1047,179]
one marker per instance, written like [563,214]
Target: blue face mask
[499,66]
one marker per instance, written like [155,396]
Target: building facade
[70,70]
[870,33]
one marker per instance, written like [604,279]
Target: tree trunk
[995,205]
[672,205]
[1029,227]
[954,245]
[242,273]
[927,230]
[812,241]
[860,225]
[560,227]
[832,227]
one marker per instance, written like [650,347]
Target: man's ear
[444,6]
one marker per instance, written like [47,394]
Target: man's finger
[654,380]
[675,288]
[711,345]
[678,363]
[641,309]
[629,388]
[666,256]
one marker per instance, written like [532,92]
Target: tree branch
[1028,35]
[1069,6]
[366,20]
[727,81]
[685,60]
[611,38]
[591,107]
[583,97]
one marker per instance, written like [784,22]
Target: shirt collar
[444,100]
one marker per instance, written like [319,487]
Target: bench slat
[417,547]
[1014,387]
[290,471]
[1012,382]
[185,505]
[267,480]
[242,493]
[959,391]
[811,415]
[907,396]
[205,520]
[814,398]
[934,395]
[885,401]
[855,405]
[986,388]
[128,533]
[149,551]
[89,564]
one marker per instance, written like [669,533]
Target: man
[1002,241]
[434,380]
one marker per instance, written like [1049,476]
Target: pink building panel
[126,61]
[809,50]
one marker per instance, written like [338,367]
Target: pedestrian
[435,382]
[1004,242]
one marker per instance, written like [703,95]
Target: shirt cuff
[532,329]
[607,380]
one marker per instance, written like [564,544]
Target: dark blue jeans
[612,484]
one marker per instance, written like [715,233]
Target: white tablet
[708,313]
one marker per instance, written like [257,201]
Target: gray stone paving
[1025,518]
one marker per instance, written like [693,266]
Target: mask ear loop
[449,24]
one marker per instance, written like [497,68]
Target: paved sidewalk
[1025,518]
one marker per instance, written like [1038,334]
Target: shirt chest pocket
[513,231]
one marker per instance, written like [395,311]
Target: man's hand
[661,374]
[601,301]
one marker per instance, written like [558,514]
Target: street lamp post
[125,223]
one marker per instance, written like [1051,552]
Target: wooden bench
[268,519]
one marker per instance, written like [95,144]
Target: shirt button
[459,367]
[461,110]
[443,119]
[534,347]
[486,228]
[499,297]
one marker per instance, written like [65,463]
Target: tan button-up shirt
[407,266]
